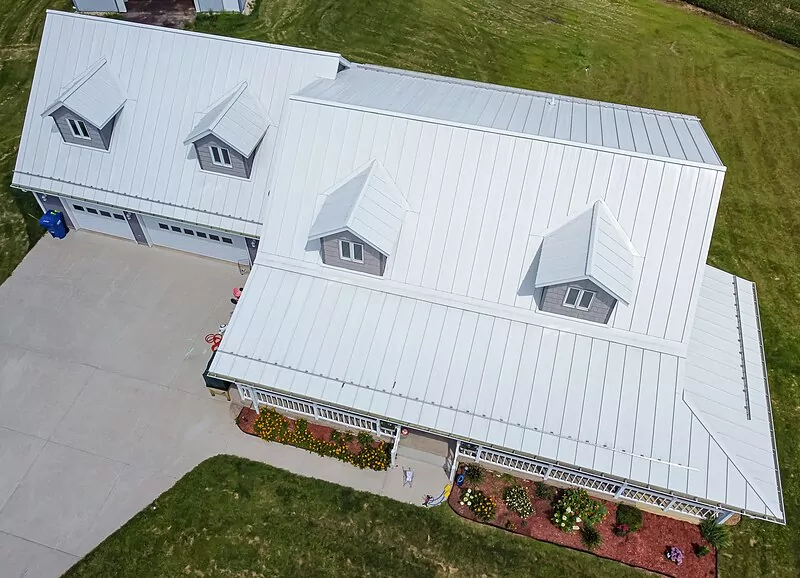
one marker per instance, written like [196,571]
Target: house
[522,274]
[110,6]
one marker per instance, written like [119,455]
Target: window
[228,241]
[176,229]
[105,214]
[201,234]
[577,298]
[91,210]
[118,216]
[78,128]
[188,232]
[220,156]
[213,237]
[78,207]
[163,226]
[350,251]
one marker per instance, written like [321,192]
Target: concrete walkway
[102,405]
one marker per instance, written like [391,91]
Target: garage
[193,239]
[108,220]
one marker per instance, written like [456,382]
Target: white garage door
[185,237]
[108,220]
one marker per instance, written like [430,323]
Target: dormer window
[579,298]
[350,251]
[86,110]
[226,136]
[220,156]
[78,128]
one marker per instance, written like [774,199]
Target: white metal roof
[590,246]
[368,204]
[481,203]
[237,118]
[552,116]
[169,77]
[94,95]
[586,401]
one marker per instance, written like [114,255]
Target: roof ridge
[696,412]
[369,168]
[81,79]
[232,97]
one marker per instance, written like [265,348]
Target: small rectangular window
[586,300]
[91,210]
[105,214]
[188,232]
[78,128]
[350,251]
[344,250]
[78,207]
[228,241]
[358,252]
[163,226]
[201,234]
[118,216]
[213,237]
[220,156]
[176,229]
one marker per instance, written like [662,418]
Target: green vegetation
[780,19]
[718,535]
[234,517]
[591,538]
[544,492]
[517,500]
[631,516]
[473,473]
[640,52]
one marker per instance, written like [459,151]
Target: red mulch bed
[643,549]
[247,419]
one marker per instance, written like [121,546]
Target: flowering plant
[674,554]
[479,504]
[621,529]
[518,500]
[573,507]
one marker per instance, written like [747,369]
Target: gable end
[97,138]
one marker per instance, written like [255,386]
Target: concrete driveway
[102,405]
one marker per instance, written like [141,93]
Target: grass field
[780,19]
[234,517]
[642,52]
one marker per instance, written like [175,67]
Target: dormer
[87,107]
[359,223]
[227,135]
[586,266]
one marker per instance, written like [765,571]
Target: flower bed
[359,450]
[645,548]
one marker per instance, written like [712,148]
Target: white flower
[562,523]
[578,519]
[564,517]
[574,527]
[462,503]
[569,510]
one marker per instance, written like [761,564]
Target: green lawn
[641,52]
[234,517]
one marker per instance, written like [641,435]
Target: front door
[136,228]
[53,203]
[252,249]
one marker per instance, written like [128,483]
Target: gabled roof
[611,126]
[94,95]
[591,246]
[368,204]
[237,119]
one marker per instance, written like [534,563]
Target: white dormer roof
[94,95]
[591,246]
[366,203]
[237,119]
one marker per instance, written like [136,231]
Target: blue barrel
[53,221]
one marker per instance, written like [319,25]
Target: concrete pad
[60,497]
[111,403]
[134,490]
[25,559]
[37,391]
[18,451]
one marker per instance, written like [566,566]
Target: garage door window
[101,212]
[193,233]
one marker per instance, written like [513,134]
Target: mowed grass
[641,52]
[233,517]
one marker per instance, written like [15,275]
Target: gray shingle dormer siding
[600,310]
[374,261]
[98,138]
[242,165]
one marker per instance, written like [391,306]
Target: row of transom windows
[100,212]
[195,233]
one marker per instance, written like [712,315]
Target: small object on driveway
[214,339]
[408,477]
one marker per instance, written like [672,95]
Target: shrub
[621,529]
[576,506]
[336,436]
[365,440]
[347,437]
[509,525]
[518,500]
[473,473]
[701,550]
[718,535]
[479,504]
[629,516]
[544,492]
[674,554]
[591,538]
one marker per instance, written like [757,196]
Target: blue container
[53,221]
